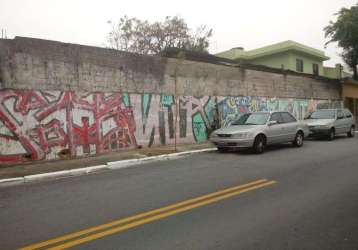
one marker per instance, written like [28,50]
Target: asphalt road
[309,201]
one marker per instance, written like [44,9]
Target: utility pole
[180,57]
[176,99]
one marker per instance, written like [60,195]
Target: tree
[345,31]
[134,35]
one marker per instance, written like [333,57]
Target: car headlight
[213,135]
[241,135]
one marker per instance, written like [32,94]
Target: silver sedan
[259,129]
[330,122]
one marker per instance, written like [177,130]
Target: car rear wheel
[331,134]
[298,142]
[351,132]
[259,144]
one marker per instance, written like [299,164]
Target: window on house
[299,65]
[315,69]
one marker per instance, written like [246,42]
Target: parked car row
[258,129]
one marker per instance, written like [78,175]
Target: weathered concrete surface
[40,64]
[47,65]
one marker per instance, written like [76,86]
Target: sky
[240,23]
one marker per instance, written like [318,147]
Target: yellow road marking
[157,214]
[128,219]
[154,218]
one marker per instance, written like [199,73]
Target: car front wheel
[259,144]
[331,134]
[298,142]
[351,132]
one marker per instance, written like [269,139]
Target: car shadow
[275,147]
[324,138]
[282,146]
[250,151]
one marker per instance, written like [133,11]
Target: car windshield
[252,119]
[323,114]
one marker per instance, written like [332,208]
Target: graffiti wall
[39,125]
[230,108]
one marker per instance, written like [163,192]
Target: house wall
[331,72]
[274,61]
[288,59]
[335,72]
[350,98]
[307,63]
[59,100]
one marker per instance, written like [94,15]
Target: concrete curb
[11,181]
[109,166]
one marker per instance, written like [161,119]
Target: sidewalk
[20,170]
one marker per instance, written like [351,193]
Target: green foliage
[345,31]
[134,35]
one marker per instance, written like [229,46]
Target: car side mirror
[270,123]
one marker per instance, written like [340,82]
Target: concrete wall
[46,65]
[61,99]
[350,90]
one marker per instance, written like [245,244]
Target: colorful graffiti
[45,124]
[38,125]
[230,108]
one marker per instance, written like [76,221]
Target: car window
[347,113]
[287,117]
[323,114]
[340,114]
[276,117]
[252,119]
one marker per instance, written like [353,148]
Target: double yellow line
[120,225]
